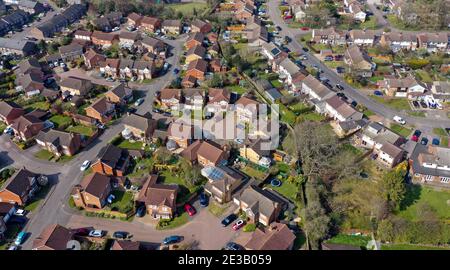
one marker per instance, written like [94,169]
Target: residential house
[316,90]
[222,183]
[246,109]
[273,94]
[125,245]
[189,82]
[218,66]
[201,26]
[16,19]
[276,236]
[340,110]
[190,152]
[145,70]
[170,98]
[159,199]
[403,87]
[139,127]
[256,152]
[181,133]
[362,37]
[218,100]
[194,98]
[153,45]
[31,83]
[194,39]
[112,160]
[134,19]
[119,94]
[259,205]
[19,188]
[126,68]
[10,111]
[102,24]
[171,27]
[245,12]
[211,155]
[59,143]
[271,52]
[7,210]
[356,10]
[102,110]
[110,67]
[31,7]
[104,39]
[17,47]
[75,86]
[195,53]
[92,192]
[256,32]
[433,42]
[53,237]
[92,59]
[430,165]
[359,62]
[150,24]
[399,41]
[197,69]
[26,127]
[30,65]
[440,91]
[83,35]
[288,69]
[127,39]
[328,36]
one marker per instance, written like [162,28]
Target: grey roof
[112,155]
[126,63]
[197,50]
[15,44]
[129,35]
[121,91]
[56,137]
[7,106]
[274,93]
[20,182]
[141,65]
[432,155]
[76,83]
[141,122]
[259,200]
[71,48]
[153,42]
[171,23]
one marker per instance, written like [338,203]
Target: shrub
[251,227]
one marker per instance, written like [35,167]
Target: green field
[354,240]
[394,103]
[61,120]
[410,247]
[175,222]
[83,130]
[238,89]
[400,130]
[418,195]
[286,189]
[188,8]
[125,144]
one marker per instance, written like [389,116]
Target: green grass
[333,64]
[276,83]
[398,24]
[146,163]
[81,129]
[410,247]
[400,130]
[424,76]
[418,195]
[394,103]
[42,105]
[253,172]
[353,240]
[250,227]
[130,145]
[312,116]
[417,114]
[299,107]
[371,23]
[440,132]
[375,79]
[169,178]
[238,89]
[175,222]
[65,159]
[286,189]
[44,155]
[11,232]
[444,141]
[40,196]
[287,115]
[188,8]
[283,167]
[61,120]
[368,112]
[216,209]
[122,201]
[2,127]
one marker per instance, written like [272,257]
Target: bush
[251,227]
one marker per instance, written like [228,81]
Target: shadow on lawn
[413,193]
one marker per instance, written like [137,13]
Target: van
[399,120]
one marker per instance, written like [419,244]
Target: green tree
[393,187]
[216,81]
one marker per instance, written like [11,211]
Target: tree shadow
[412,195]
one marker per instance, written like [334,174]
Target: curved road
[353,93]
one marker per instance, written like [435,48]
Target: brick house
[197,69]
[119,94]
[112,161]
[26,127]
[93,191]
[181,133]
[194,39]
[159,199]
[20,187]
[110,67]
[210,155]
[75,86]
[276,236]
[134,19]
[102,110]
[429,165]
[10,111]
[171,27]
[150,24]
[139,127]
[170,98]
[53,237]
[59,142]
[222,182]
[92,59]
[104,39]
[201,26]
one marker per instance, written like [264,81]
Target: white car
[399,120]
[13,247]
[96,233]
[20,212]
[85,165]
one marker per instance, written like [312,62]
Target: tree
[216,81]
[393,187]
[163,156]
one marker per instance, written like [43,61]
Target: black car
[203,199]
[156,110]
[423,104]
[168,114]
[141,211]
[120,235]
[424,141]
[340,87]
[305,49]
[287,39]
[354,103]
[285,49]
[18,220]
[416,104]
[233,246]
[278,28]
[417,133]
[228,220]
[131,110]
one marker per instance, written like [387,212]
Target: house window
[428,178]
[445,179]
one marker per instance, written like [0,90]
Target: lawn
[394,103]
[418,195]
[440,132]
[174,223]
[368,112]
[40,196]
[169,178]
[276,83]
[286,189]
[287,116]
[371,23]
[354,240]
[410,247]
[299,107]
[216,209]
[61,120]
[400,130]
[145,164]
[44,155]
[2,127]
[248,170]
[126,144]
[424,76]
[42,105]
[81,129]
[238,89]
[65,159]
[123,201]
[312,116]
[333,64]
[188,8]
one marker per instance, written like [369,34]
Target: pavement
[355,94]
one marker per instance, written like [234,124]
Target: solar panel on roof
[275,51]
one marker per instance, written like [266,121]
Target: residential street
[355,94]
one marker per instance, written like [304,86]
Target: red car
[239,224]
[305,28]
[190,209]
[414,138]
[287,17]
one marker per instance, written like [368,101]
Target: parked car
[377,93]
[340,87]
[131,110]
[168,114]
[172,239]
[399,120]
[156,110]
[139,101]
[141,211]
[424,141]
[20,238]
[18,220]
[228,220]
[416,104]
[423,104]
[111,198]
[417,132]
[175,71]
[239,224]
[20,212]
[97,233]
[203,199]
[340,70]
[328,58]
[305,49]
[120,235]
[354,103]
[305,28]
[189,209]
[232,246]
[82,231]
[85,165]
[13,247]
[435,141]
[414,138]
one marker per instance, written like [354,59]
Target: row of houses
[15,20]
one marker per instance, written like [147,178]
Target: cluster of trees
[429,14]
[320,14]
